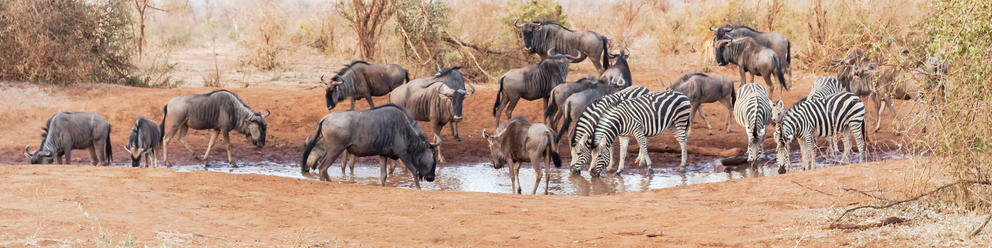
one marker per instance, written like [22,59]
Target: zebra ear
[779,104]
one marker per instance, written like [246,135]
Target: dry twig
[893,203]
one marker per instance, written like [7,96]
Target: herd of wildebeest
[605,109]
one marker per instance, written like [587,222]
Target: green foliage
[65,41]
[961,124]
[421,26]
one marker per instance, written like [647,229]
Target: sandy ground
[86,206]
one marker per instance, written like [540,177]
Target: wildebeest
[66,131]
[543,35]
[618,75]
[775,41]
[436,99]
[530,83]
[145,140]
[751,57]
[317,154]
[560,93]
[702,88]
[517,141]
[220,111]
[576,104]
[387,131]
[363,80]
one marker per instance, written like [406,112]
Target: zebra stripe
[640,118]
[821,117]
[587,122]
[825,87]
[753,112]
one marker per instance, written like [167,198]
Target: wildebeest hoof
[458,138]
[709,133]
[198,158]
[651,170]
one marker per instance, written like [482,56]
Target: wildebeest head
[720,33]
[41,156]
[534,33]
[332,94]
[723,51]
[557,63]
[255,129]
[496,148]
[425,158]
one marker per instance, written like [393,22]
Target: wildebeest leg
[516,177]
[165,145]
[148,159]
[536,162]
[771,86]
[382,171]
[509,109]
[352,103]
[210,144]
[416,181]
[332,154]
[58,159]
[227,143]
[68,156]
[547,172]
[730,111]
[895,116]
[93,157]
[182,139]
[743,73]
[369,99]
[878,108]
[703,115]
[437,138]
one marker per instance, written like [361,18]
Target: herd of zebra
[607,109]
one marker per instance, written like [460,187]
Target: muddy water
[481,177]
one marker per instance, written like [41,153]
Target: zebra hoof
[781,170]
[651,171]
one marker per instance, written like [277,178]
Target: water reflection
[481,177]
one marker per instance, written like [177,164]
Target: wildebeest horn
[27,151]
[322,79]
[711,28]
[517,25]
[444,90]
[484,134]
[471,91]
[833,57]
[437,141]
[625,51]
[573,58]
[267,113]
[549,51]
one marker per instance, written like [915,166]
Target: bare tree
[142,7]
[367,17]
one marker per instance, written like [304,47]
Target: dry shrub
[959,126]
[65,41]
[266,38]
[879,28]
[421,26]
[367,19]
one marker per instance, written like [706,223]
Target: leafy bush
[65,41]
[959,126]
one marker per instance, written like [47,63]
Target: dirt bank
[70,205]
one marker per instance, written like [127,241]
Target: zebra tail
[309,147]
[499,93]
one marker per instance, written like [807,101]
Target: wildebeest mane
[550,22]
[415,144]
[508,139]
[447,71]
[348,66]
[232,94]
[689,75]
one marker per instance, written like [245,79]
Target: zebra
[640,118]
[753,112]
[809,118]
[823,88]
[587,123]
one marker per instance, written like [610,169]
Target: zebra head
[778,112]
[783,137]
[580,155]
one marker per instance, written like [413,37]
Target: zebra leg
[811,151]
[682,137]
[847,146]
[833,145]
[804,147]
[624,143]
[856,130]
[642,153]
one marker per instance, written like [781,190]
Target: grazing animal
[517,141]
[822,117]
[316,156]
[387,131]
[363,80]
[822,88]
[530,83]
[577,103]
[640,118]
[618,75]
[701,88]
[560,93]
[220,111]
[751,57]
[145,140]
[436,99]
[543,35]
[753,112]
[775,41]
[66,131]
[586,125]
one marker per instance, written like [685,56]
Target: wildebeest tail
[606,54]
[733,95]
[551,109]
[309,147]
[406,76]
[565,123]
[109,150]
[553,150]
[779,74]
[498,94]
[788,53]
[161,125]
